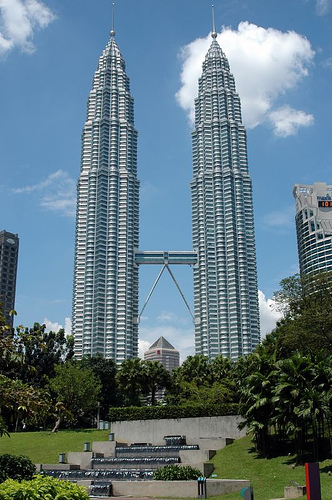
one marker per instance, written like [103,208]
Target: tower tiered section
[225,277]
[105,301]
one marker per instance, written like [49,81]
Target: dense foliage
[289,398]
[176,473]
[168,411]
[16,467]
[76,391]
[42,488]
[307,322]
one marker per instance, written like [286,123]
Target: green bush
[16,467]
[42,488]
[176,473]
[159,412]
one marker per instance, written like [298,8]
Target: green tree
[306,303]
[32,354]
[130,378]
[20,402]
[77,391]
[258,379]
[196,369]
[105,370]
[155,378]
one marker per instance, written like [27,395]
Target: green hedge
[176,473]
[42,488]
[171,412]
[16,467]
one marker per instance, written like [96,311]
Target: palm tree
[155,377]
[130,378]
[295,377]
[257,377]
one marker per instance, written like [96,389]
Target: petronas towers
[105,297]
[225,278]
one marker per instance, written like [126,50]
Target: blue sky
[281,56]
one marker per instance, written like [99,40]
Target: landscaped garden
[239,460]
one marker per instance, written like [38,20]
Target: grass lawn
[44,447]
[267,476]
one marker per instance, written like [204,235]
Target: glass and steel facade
[105,295]
[9,244]
[225,277]
[314,226]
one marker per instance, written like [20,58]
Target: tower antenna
[214,33]
[112,29]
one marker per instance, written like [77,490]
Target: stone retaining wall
[204,431]
[175,489]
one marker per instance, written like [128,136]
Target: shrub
[16,467]
[176,473]
[185,411]
[42,488]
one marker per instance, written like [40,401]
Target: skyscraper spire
[225,278]
[214,33]
[112,32]
[105,298]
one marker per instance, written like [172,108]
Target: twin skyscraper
[107,256]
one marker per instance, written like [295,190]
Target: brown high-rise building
[164,352]
[8,270]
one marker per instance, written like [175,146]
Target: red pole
[312,479]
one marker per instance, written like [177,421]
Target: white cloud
[166,316]
[55,327]
[68,326]
[52,326]
[143,346]
[327,63]
[322,7]
[286,121]
[266,64]
[58,193]
[268,314]
[19,20]
[280,219]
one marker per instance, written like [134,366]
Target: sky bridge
[161,257]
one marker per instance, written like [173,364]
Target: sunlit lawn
[44,447]
[267,476]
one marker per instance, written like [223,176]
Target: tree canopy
[307,323]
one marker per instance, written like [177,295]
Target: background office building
[314,226]
[105,295]
[163,351]
[9,243]
[225,277]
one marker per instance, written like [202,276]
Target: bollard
[201,487]
[87,446]
[247,493]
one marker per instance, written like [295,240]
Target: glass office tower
[225,277]
[314,226]
[105,296]
[9,244]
